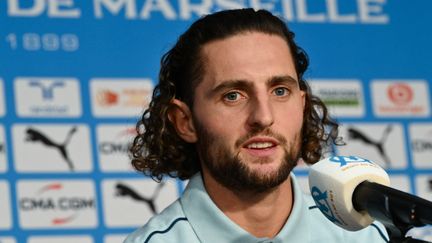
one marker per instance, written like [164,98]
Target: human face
[248,111]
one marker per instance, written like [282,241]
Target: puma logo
[126,191]
[355,134]
[34,135]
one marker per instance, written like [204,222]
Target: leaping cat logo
[126,191]
[356,134]
[34,135]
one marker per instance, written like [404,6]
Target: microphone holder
[397,234]
[396,210]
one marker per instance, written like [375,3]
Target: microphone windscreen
[332,182]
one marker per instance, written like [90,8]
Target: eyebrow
[230,84]
[247,85]
[283,79]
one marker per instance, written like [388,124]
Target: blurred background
[75,77]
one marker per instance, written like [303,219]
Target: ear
[303,98]
[181,117]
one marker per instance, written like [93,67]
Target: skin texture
[248,110]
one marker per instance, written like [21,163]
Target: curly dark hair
[157,150]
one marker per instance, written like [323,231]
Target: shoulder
[168,226]
[373,233]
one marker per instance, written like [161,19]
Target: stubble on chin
[228,169]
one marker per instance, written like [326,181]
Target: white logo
[47,97]
[120,97]
[407,98]
[421,144]
[56,204]
[3,160]
[114,238]
[5,209]
[344,98]
[113,144]
[60,238]
[52,148]
[137,195]
[381,143]
[2,99]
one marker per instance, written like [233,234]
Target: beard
[229,170]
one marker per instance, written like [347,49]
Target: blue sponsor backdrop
[119,40]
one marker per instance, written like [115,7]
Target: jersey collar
[211,225]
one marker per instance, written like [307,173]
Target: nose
[261,113]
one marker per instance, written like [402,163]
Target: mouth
[261,146]
[260,143]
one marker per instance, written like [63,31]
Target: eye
[281,91]
[232,96]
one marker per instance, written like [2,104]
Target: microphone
[352,191]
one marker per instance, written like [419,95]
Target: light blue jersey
[195,218]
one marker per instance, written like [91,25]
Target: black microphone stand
[397,210]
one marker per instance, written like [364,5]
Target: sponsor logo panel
[52,148]
[2,99]
[5,206]
[120,97]
[424,186]
[344,98]
[114,238]
[113,145]
[421,144]
[137,195]
[400,182]
[405,98]
[3,156]
[47,97]
[382,143]
[7,240]
[56,204]
[60,238]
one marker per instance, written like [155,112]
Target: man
[233,114]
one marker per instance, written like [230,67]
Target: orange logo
[400,93]
[107,98]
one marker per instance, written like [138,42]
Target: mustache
[267,132]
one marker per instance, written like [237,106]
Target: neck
[261,214]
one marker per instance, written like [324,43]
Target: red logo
[400,93]
[107,98]
[62,221]
[49,187]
